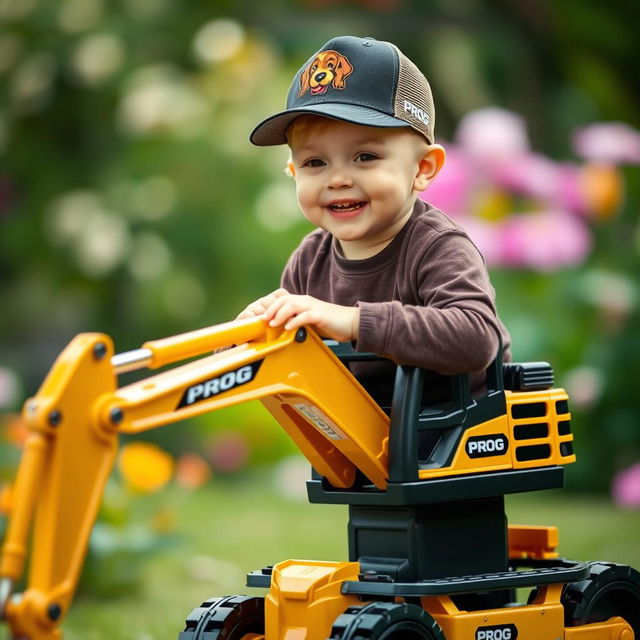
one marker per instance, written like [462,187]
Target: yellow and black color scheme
[431,555]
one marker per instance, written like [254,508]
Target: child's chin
[350,235]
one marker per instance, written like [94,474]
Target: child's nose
[339,178]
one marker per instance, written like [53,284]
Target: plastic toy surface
[430,552]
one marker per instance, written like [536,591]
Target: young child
[383,269]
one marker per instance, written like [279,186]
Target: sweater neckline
[381,259]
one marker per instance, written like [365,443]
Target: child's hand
[258,307]
[329,320]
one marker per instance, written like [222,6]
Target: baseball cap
[359,80]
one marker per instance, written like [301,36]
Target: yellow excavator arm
[76,416]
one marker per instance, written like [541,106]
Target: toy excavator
[431,555]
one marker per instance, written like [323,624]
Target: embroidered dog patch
[328,68]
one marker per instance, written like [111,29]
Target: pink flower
[451,189]
[493,136]
[626,487]
[487,237]
[608,142]
[570,193]
[531,174]
[522,208]
[544,240]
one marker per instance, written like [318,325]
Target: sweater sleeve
[454,329]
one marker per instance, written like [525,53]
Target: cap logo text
[417,113]
[328,68]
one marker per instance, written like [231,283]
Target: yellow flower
[145,467]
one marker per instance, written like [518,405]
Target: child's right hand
[258,307]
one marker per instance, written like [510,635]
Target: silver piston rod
[131,360]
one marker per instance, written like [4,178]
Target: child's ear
[291,169]
[429,166]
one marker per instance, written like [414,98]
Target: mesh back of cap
[414,102]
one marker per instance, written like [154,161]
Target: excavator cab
[412,531]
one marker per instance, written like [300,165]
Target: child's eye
[366,157]
[313,162]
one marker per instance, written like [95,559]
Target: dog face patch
[328,68]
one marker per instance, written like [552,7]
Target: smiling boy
[383,269]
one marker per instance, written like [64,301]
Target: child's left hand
[329,320]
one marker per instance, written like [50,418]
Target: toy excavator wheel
[227,618]
[610,590]
[386,621]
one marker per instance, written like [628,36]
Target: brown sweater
[425,299]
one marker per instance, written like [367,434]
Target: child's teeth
[346,207]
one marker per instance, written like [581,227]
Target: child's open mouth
[344,208]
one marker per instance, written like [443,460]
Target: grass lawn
[227,529]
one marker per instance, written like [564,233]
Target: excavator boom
[75,419]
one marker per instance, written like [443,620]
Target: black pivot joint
[99,350]
[55,418]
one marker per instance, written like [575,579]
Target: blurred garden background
[132,203]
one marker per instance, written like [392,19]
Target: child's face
[359,183]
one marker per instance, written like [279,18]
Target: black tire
[386,621]
[610,590]
[227,618]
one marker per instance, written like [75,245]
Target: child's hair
[300,129]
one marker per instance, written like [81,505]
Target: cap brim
[272,131]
